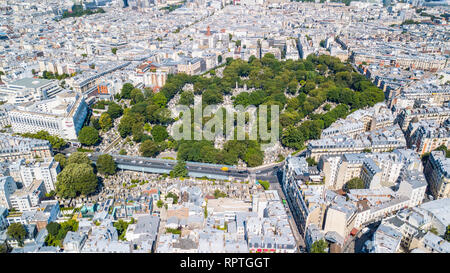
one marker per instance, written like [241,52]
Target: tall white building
[63,116]
[45,171]
[7,188]
[27,198]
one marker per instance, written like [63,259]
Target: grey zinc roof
[31,82]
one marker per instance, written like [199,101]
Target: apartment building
[436,114]
[27,171]
[7,188]
[437,172]
[15,147]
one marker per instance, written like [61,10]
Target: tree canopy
[355,183]
[88,136]
[319,246]
[18,232]
[76,179]
[179,170]
[106,165]
[159,133]
[56,142]
[79,158]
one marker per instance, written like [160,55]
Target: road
[164,165]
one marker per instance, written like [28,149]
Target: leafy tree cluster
[107,118]
[18,232]
[173,7]
[219,194]
[174,196]
[355,183]
[106,164]
[150,109]
[329,80]
[149,148]
[57,232]
[121,227]
[410,22]
[61,159]
[173,230]
[311,82]
[179,170]
[88,135]
[56,142]
[77,177]
[204,151]
[443,148]
[319,247]
[50,76]
[78,11]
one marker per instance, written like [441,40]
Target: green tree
[105,121]
[311,161]
[355,183]
[114,110]
[126,90]
[219,59]
[319,247]
[95,123]
[159,99]
[76,179]
[56,142]
[53,228]
[219,194]
[160,203]
[114,50]
[138,131]
[149,148]
[187,98]
[106,164]
[18,232]
[61,159]
[159,133]
[136,96]
[121,227]
[254,157]
[173,196]
[78,158]
[147,127]
[88,136]
[179,170]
